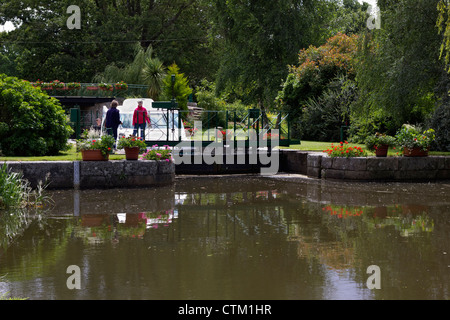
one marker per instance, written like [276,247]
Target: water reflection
[236,238]
[96,228]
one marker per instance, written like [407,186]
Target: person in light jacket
[140,120]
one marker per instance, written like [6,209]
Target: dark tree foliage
[45,48]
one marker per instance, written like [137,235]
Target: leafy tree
[178,89]
[31,123]
[47,50]
[443,23]
[399,71]
[209,101]
[317,68]
[258,39]
[350,17]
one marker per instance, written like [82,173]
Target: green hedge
[31,122]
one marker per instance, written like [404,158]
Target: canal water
[240,237]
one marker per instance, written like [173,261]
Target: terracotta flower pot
[132,153]
[415,152]
[382,151]
[93,155]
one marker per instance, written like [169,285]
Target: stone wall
[96,174]
[128,174]
[379,169]
[293,161]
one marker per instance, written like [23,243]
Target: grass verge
[73,155]
[321,146]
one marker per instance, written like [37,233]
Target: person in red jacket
[140,120]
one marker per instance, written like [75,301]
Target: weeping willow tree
[144,69]
[443,23]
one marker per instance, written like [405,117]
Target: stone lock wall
[96,174]
[379,169]
[128,174]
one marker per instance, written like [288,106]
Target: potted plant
[414,142]
[92,87]
[380,143]
[95,149]
[58,85]
[105,86]
[73,85]
[47,86]
[121,86]
[133,146]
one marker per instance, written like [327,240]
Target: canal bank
[95,174]
[391,169]
[312,165]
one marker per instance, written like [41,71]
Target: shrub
[323,117]
[15,191]
[363,126]
[440,122]
[31,123]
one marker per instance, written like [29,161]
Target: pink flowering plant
[158,153]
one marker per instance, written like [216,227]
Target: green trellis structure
[259,120]
[246,130]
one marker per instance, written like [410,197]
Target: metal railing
[205,127]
